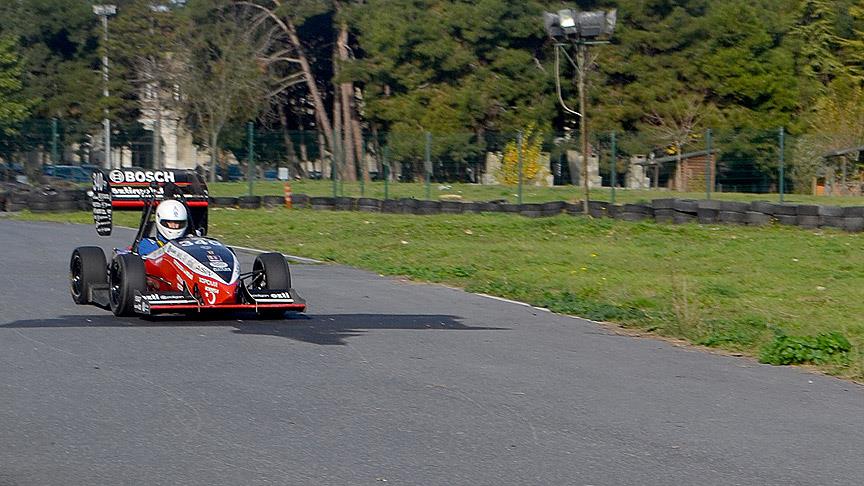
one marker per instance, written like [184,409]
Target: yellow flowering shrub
[532,143]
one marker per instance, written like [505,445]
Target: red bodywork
[167,273]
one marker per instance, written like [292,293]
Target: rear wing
[134,189]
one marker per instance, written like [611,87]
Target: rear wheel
[272,273]
[126,276]
[87,268]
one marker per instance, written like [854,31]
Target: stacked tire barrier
[17,197]
[671,211]
[43,199]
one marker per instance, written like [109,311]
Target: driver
[171,223]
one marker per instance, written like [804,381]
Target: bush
[786,350]
[532,142]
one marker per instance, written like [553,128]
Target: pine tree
[853,47]
[817,40]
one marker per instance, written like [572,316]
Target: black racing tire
[808,210]
[390,206]
[473,207]
[18,197]
[68,205]
[807,221]
[831,211]
[275,275]
[275,271]
[224,202]
[664,215]
[531,210]
[323,203]
[39,207]
[65,195]
[126,275]
[369,205]
[853,212]
[452,207]
[41,197]
[345,204]
[299,201]
[638,208]
[574,209]
[87,268]
[663,204]
[249,202]
[273,201]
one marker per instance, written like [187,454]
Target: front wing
[250,300]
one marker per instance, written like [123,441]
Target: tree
[652,60]
[282,19]
[817,42]
[142,44]
[451,67]
[853,47]
[676,123]
[220,80]
[13,107]
[58,46]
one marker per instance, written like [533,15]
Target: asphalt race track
[386,381]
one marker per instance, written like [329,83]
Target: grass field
[730,287]
[476,192]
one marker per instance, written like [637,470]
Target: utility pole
[105,11]
[582,61]
[580,29]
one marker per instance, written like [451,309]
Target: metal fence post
[782,161]
[613,165]
[708,159]
[250,169]
[428,166]
[334,161]
[386,167]
[363,167]
[55,157]
[519,143]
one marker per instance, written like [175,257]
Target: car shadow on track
[323,329]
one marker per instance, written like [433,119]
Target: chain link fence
[526,166]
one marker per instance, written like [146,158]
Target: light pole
[581,30]
[105,11]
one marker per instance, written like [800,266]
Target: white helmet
[171,219]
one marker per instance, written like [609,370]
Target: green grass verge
[736,288]
[531,194]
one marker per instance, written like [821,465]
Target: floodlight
[105,10]
[611,20]
[574,25]
[591,24]
[568,23]
[553,25]
[566,18]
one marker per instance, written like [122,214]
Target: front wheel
[125,277]
[87,268]
[271,273]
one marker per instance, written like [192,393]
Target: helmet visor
[174,224]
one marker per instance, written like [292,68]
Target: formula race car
[190,274]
